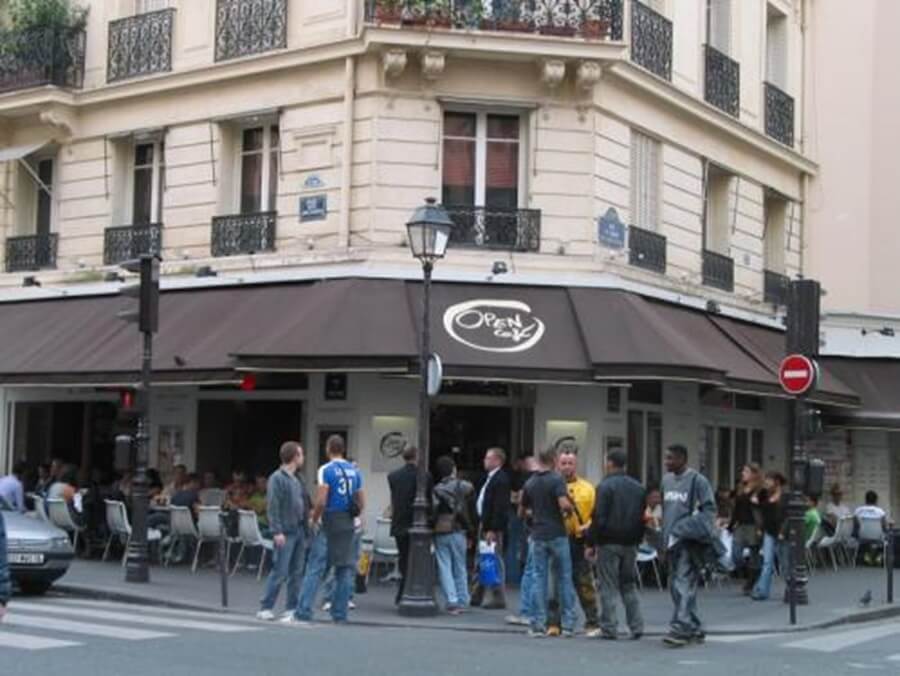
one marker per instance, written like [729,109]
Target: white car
[38,553]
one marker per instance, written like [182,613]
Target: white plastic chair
[40,508]
[835,544]
[212,497]
[250,537]
[119,526]
[647,556]
[59,516]
[181,523]
[870,533]
[208,530]
[384,549]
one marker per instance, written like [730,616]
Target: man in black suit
[493,507]
[402,483]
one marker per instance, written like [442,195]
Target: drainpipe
[804,146]
[347,145]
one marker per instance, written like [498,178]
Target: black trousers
[402,563]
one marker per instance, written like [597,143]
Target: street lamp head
[429,231]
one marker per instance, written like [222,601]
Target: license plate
[26,559]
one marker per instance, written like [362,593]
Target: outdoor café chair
[384,549]
[59,516]
[40,507]
[120,527]
[208,530]
[250,537]
[182,529]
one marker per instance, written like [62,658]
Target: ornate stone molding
[588,75]
[553,72]
[393,62]
[433,63]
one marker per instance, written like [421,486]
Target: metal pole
[796,592]
[223,560]
[418,590]
[137,567]
[889,565]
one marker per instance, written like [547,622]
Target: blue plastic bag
[489,566]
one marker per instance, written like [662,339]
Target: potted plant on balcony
[512,17]
[594,29]
[440,14]
[562,30]
[389,11]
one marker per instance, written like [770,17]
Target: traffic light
[803,317]
[145,292]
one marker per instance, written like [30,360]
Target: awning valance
[877,382]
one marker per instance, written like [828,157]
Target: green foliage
[27,15]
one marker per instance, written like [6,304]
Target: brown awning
[767,347]
[877,381]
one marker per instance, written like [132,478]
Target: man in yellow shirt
[582,495]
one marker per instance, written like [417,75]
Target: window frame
[641,143]
[776,216]
[157,187]
[777,28]
[481,145]
[141,6]
[645,411]
[28,171]
[267,150]
[717,236]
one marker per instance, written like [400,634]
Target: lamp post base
[418,590]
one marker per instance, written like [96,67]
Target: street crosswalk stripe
[893,658]
[834,642]
[29,642]
[736,638]
[69,626]
[176,612]
[137,616]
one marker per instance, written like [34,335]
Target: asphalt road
[59,635]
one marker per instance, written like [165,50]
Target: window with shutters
[776,214]
[717,223]
[776,47]
[718,24]
[646,158]
[481,160]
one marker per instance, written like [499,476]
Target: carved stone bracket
[588,75]
[433,63]
[393,62]
[553,72]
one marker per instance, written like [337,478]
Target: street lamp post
[429,233]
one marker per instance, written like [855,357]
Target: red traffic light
[126,399]
[248,382]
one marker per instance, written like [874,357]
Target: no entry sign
[797,374]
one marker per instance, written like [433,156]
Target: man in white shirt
[11,489]
[871,544]
[836,510]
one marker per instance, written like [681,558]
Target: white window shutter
[144,6]
[720,25]
[776,50]
[645,156]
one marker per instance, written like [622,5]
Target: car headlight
[60,543]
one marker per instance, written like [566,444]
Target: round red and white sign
[797,374]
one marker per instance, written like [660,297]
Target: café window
[736,447]
[147,182]
[645,446]
[482,159]
[259,169]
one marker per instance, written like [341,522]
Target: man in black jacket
[402,483]
[617,530]
[493,507]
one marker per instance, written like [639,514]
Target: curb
[858,617]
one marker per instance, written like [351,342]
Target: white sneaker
[326,606]
[285,614]
[351,605]
[266,615]
[294,622]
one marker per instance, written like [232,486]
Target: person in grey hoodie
[450,498]
[288,513]
[689,512]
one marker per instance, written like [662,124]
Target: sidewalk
[835,600]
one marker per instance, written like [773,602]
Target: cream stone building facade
[652,152]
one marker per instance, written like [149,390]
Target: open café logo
[494,325]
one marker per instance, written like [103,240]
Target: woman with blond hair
[746,524]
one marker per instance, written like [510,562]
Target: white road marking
[176,612]
[893,658]
[72,627]
[834,642]
[138,616]
[867,667]
[29,642]
[736,638]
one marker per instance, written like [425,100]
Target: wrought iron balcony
[592,19]
[722,86]
[245,27]
[130,241]
[140,45]
[779,115]
[651,40]
[243,233]
[496,228]
[41,57]
[718,271]
[646,249]
[775,287]
[32,252]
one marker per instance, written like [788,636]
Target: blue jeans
[287,567]
[763,586]
[316,565]
[343,588]
[556,550]
[328,589]
[526,586]
[450,552]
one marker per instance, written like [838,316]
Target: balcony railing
[131,241]
[41,57]
[592,19]
[651,40]
[140,45]
[32,252]
[496,228]
[775,287]
[718,271]
[243,233]
[779,115]
[722,86]
[245,27]
[646,249]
